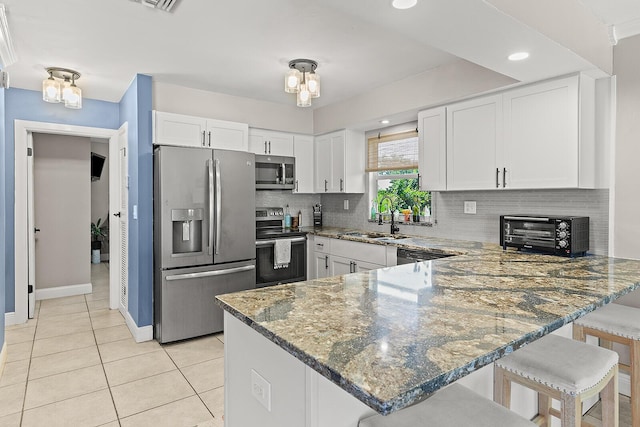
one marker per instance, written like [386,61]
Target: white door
[303,150]
[118,205]
[339,266]
[322,158]
[32,230]
[338,163]
[320,265]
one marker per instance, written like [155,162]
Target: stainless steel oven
[269,229]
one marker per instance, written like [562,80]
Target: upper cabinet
[432,135]
[533,137]
[339,162]
[303,152]
[189,131]
[269,142]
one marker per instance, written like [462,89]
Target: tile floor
[76,364]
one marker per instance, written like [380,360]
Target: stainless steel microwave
[558,235]
[275,172]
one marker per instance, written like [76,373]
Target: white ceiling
[242,47]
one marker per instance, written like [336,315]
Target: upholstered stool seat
[621,324]
[563,369]
[455,405]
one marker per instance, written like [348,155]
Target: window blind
[393,152]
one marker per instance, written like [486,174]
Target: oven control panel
[269,214]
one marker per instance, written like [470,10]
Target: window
[392,161]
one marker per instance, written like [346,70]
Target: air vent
[165,5]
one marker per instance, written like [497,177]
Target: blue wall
[135,109]
[3,269]
[28,105]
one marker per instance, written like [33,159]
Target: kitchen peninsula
[390,337]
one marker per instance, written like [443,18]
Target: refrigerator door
[184,301]
[181,204]
[234,205]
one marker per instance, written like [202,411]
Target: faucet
[394,227]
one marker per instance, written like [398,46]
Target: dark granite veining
[392,336]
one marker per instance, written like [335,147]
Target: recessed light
[518,56]
[404,4]
[384,122]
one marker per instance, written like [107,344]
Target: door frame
[23,131]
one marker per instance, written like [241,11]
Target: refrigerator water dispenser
[187,230]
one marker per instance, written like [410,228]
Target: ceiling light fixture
[404,4]
[518,56]
[302,80]
[165,5]
[68,92]
[384,121]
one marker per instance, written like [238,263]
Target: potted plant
[98,232]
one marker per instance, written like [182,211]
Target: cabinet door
[365,266]
[258,141]
[339,265]
[338,163]
[474,144]
[303,152]
[227,135]
[433,149]
[320,265]
[268,142]
[322,161]
[541,135]
[178,129]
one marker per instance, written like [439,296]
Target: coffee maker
[317,215]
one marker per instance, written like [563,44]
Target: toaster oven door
[529,232]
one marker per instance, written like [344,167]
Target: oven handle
[527,218]
[211,273]
[273,241]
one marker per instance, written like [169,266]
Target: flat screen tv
[97,162]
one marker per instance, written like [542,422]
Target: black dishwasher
[409,256]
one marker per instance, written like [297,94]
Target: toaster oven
[558,235]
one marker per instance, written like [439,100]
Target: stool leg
[501,388]
[544,403]
[634,347]
[571,413]
[578,333]
[609,396]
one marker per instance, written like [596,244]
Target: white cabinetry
[432,134]
[319,254]
[190,131]
[474,140]
[334,257]
[536,136]
[339,162]
[269,142]
[303,152]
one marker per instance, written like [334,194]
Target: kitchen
[172,98]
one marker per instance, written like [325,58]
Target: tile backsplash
[451,222]
[296,202]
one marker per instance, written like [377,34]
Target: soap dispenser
[287,218]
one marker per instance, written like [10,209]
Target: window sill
[416,224]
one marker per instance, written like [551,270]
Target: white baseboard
[140,333]
[10,319]
[624,384]
[64,291]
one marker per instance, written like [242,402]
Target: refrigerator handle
[218,205]
[211,273]
[210,170]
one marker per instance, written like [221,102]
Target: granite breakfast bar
[382,340]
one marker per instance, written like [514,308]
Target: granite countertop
[392,336]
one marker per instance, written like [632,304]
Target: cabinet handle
[297,190]
[355,266]
[203,138]
[265,147]
[504,177]
[325,185]
[326,262]
[497,178]
[209,138]
[341,184]
[269,147]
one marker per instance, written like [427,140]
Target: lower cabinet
[334,257]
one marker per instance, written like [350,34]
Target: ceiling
[242,47]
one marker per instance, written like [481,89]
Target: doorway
[24,225]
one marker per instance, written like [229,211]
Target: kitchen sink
[375,235]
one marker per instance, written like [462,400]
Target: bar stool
[563,369]
[454,405]
[621,324]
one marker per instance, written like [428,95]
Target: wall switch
[135,211]
[470,207]
[261,390]
[346,205]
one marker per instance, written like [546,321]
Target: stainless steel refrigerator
[204,236]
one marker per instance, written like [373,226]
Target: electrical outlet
[261,390]
[346,205]
[470,207]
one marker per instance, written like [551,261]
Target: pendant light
[50,89]
[68,92]
[302,80]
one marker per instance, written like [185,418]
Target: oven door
[529,233]
[267,275]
